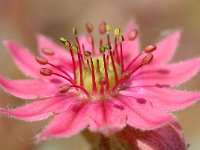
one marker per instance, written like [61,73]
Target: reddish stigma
[107,70]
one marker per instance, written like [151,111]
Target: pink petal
[61,57]
[141,114]
[130,48]
[172,74]
[168,137]
[166,48]
[40,109]
[168,99]
[29,89]
[23,59]
[70,122]
[106,117]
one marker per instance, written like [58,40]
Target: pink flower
[101,91]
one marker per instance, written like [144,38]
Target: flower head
[102,88]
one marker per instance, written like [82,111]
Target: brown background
[21,20]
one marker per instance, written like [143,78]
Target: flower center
[97,64]
[97,75]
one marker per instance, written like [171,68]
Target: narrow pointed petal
[168,99]
[40,109]
[28,89]
[173,74]
[70,122]
[130,48]
[107,117]
[166,48]
[141,114]
[60,58]
[23,59]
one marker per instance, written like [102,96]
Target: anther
[48,51]
[117,31]
[108,46]
[64,88]
[41,60]
[132,35]
[102,28]
[102,81]
[108,28]
[87,53]
[62,40]
[67,43]
[74,48]
[121,38]
[126,75]
[46,72]
[147,59]
[74,31]
[102,49]
[89,27]
[150,48]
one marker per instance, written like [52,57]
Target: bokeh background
[22,20]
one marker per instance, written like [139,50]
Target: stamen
[114,67]
[87,53]
[147,59]
[76,37]
[102,49]
[81,71]
[88,65]
[102,82]
[125,77]
[133,60]
[59,75]
[48,51]
[94,87]
[121,39]
[46,72]
[74,30]
[117,31]
[41,60]
[98,66]
[116,49]
[89,28]
[81,88]
[108,46]
[108,28]
[106,73]
[64,88]
[63,40]
[133,35]
[150,48]
[102,30]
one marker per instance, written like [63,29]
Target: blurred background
[22,20]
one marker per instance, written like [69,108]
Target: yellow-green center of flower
[99,73]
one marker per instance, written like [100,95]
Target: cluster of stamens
[96,75]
